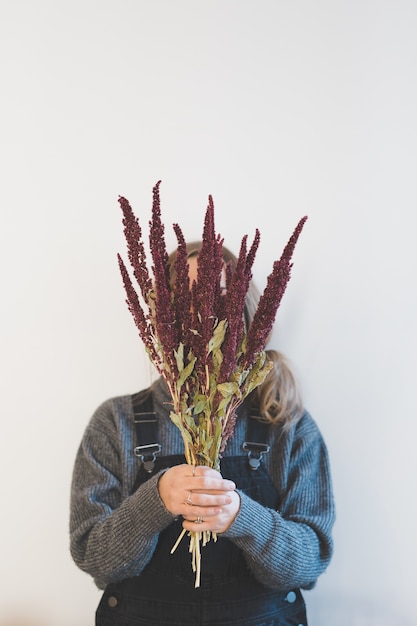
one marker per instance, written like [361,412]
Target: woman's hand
[205,499]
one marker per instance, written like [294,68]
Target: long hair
[278,398]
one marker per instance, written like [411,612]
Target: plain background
[278,109]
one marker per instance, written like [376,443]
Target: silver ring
[199,520]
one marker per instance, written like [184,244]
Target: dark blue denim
[229,594]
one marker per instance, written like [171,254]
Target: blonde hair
[278,398]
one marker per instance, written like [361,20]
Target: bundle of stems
[195,334]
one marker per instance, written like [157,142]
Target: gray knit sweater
[114,532]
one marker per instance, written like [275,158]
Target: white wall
[278,109]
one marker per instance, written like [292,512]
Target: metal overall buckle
[147,455]
[255,452]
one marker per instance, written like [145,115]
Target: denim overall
[229,595]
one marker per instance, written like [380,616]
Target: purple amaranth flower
[270,300]
[143,325]
[136,250]
[206,291]
[166,329]
[182,293]
[238,282]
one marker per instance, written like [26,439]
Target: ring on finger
[188,500]
[199,520]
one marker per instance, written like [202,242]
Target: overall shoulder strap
[256,438]
[146,425]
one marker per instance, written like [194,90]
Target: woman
[271,508]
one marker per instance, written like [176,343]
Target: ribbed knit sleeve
[293,546]
[112,534]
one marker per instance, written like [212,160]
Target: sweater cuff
[152,509]
[250,514]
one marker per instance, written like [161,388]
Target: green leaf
[185,373]
[223,404]
[176,419]
[188,420]
[218,336]
[258,373]
[228,388]
[217,360]
[201,405]
[179,357]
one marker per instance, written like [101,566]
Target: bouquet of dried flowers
[195,335]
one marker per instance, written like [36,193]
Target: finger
[207,472]
[204,499]
[206,478]
[197,524]
[204,470]
[210,483]
[199,511]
